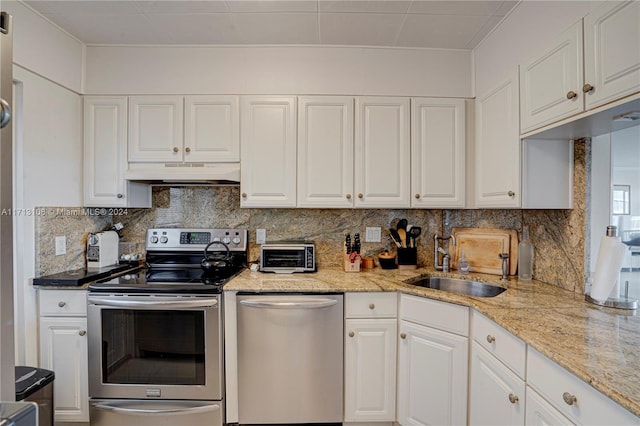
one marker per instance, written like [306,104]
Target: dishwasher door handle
[306,304]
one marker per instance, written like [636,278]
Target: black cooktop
[78,277]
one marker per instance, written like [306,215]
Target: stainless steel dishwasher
[290,358]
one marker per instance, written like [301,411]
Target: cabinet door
[155,128]
[551,83]
[497,148]
[211,129]
[370,370]
[612,52]
[432,382]
[497,395]
[438,153]
[540,413]
[63,349]
[325,151]
[105,156]
[268,154]
[382,174]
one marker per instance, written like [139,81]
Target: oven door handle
[152,304]
[307,304]
[116,407]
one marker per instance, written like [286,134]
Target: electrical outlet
[61,245]
[261,236]
[373,235]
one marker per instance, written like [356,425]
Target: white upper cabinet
[105,156]
[551,82]
[268,151]
[437,153]
[612,52]
[325,151]
[211,129]
[382,152]
[497,149]
[155,128]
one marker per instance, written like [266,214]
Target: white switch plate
[373,235]
[61,245]
[261,236]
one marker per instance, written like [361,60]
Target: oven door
[154,346]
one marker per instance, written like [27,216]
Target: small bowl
[387,260]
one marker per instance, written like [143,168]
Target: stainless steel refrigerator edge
[290,363]
[7,380]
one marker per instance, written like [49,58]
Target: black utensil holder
[407,256]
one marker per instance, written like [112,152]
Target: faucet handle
[503,256]
[505,266]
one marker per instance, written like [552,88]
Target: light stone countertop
[599,345]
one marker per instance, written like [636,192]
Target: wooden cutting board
[482,246]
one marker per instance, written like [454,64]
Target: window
[621,199]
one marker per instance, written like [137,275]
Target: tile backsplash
[558,236]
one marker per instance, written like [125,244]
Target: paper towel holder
[615,302]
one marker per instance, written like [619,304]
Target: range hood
[184,173]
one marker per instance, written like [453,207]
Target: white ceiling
[392,23]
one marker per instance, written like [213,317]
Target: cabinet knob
[360,195]
[490,338]
[82,332]
[572,95]
[62,304]
[513,398]
[417,196]
[351,334]
[119,196]
[244,195]
[187,149]
[403,335]
[511,194]
[569,399]
[372,306]
[587,88]
[348,196]
[175,149]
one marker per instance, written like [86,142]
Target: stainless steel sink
[452,285]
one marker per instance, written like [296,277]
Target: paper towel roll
[610,258]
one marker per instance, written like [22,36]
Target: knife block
[351,266]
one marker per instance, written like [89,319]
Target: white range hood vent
[185,174]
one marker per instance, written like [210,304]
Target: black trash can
[36,385]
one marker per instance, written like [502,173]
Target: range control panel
[191,239]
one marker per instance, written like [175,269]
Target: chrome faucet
[445,256]
[505,266]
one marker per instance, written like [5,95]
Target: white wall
[44,48]
[48,173]
[529,27]
[279,70]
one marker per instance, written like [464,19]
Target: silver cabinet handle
[403,335]
[244,195]
[490,338]
[351,334]
[82,332]
[5,113]
[62,304]
[187,149]
[372,306]
[348,196]
[119,196]
[121,407]
[310,304]
[513,398]
[569,399]
[360,196]
[175,149]
[511,194]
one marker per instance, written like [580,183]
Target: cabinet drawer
[499,342]
[63,302]
[441,315]
[556,384]
[371,305]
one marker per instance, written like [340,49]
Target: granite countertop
[599,345]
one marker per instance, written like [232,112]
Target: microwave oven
[288,257]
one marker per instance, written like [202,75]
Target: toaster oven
[288,257]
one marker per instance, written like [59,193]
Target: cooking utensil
[395,237]
[402,224]
[414,233]
[403,237]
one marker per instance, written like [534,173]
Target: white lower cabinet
[540,413]
[432,373]
[63,349]
[370,357]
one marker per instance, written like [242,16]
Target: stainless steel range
[155,336]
